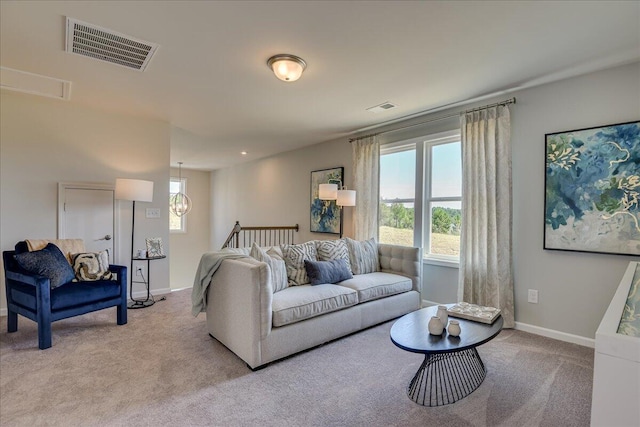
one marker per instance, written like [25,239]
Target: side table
[149,301]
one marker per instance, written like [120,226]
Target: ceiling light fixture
[287,68]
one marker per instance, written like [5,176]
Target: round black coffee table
[452,368]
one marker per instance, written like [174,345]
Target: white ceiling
[209,78]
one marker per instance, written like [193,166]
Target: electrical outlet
[533,296]
[139,271]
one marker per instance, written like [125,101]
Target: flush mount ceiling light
[287,68]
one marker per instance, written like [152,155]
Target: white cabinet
[616,375]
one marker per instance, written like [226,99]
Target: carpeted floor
[162,368]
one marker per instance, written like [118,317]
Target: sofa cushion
[377,285]
[304,302]
[91,266]
[294,256]
[333,249]
[363,256]
[276,266]
[325,272]
[48,262]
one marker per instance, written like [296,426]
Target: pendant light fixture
[180,203]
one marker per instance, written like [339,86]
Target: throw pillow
[294,256]
[91,266]
[49,262]
[333,249]
[363,256]
[276,265]
[332,271]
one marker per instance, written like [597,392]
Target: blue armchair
[31,296]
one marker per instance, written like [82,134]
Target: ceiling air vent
[106,45]
[382,107]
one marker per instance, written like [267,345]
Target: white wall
[188,247]
[45,141]
[275,191]
[574,288]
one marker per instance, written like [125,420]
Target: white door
[88,214]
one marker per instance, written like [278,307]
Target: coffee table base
[445,378]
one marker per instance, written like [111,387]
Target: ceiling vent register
[107,45]
[382,107]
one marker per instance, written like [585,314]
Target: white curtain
[366,182]
[486,270]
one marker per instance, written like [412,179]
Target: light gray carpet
[162,368]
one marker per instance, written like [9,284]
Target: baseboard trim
[427,303]
[561,336]
[3,312]
[143,294]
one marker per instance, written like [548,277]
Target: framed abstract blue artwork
[326,215]
[592,190]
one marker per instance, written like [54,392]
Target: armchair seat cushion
[76,293]
[83,293]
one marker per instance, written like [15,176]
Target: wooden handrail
[263,235]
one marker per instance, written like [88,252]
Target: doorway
[87,211]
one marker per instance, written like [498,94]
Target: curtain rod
[448,116]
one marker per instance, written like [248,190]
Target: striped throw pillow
[363,256]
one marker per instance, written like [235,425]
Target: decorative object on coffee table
[452,368]
[436,327]
[454,328]
[477,313]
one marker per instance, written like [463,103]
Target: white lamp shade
[134,189]
[346,198]
[328,191]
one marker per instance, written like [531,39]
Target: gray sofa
[260,326]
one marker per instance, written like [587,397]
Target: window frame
[183,218]
[430,142]
[422,216]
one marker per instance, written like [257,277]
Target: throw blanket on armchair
[209,263]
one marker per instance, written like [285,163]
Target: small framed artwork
[592,190]
[154,247]
[326,215]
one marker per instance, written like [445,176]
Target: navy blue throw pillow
[48,262]
[333,271]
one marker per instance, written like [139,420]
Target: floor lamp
[136,190]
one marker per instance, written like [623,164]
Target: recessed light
[244,153]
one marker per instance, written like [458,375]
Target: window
[421,195]
[177,224]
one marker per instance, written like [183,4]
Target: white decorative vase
[442,314]
[454,328]
[435,326]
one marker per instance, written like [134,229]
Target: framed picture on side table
[154,247]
